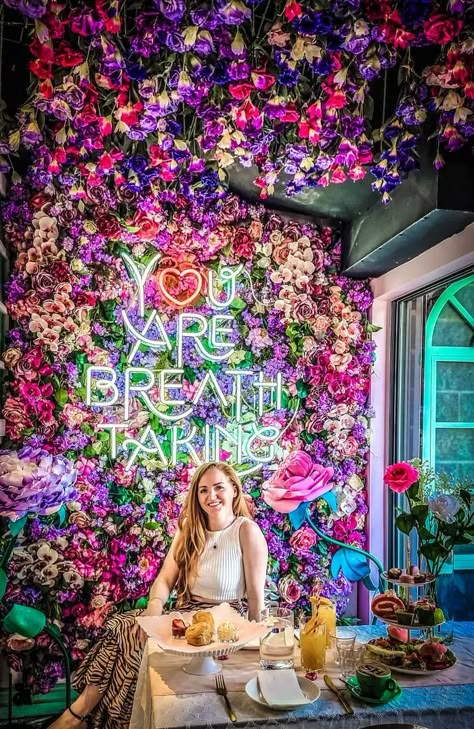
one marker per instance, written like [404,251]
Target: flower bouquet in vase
[438,512]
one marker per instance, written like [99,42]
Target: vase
[444,592]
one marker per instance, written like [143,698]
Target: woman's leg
[107,678]
[82,706]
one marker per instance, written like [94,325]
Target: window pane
[452,330]
[465,296]
[455,451]
[454,377]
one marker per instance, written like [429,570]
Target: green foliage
[438,532]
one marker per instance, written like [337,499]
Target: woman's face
[216,493]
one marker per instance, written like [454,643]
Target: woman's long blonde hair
[192,525]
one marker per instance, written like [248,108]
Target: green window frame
[434,356]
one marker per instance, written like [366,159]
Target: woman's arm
[164,583]
[255,557]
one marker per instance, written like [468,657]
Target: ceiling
[426,208]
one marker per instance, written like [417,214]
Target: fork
[222,691]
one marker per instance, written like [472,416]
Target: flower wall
[293,315]
[131,125]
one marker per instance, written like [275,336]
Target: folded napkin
[281,688]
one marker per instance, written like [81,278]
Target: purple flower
[34,481]
[171,9]
[30,8]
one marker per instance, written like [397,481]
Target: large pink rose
[296,480]
[400,476]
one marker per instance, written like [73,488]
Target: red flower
[147,227]
[292,10]
[248,116]
[290,114]
[262,81]
[440,29]
[109,226]
[240,91]
[400,476]
[67,57]
[243,244]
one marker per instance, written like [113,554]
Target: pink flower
[289,589]
[400,476]
[296,480]
[303,539]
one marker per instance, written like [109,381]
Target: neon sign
[252,442]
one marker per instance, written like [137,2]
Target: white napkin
[281,688]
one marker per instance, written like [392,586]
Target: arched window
[448,402]
[448,416]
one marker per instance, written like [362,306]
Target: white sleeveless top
[220,572]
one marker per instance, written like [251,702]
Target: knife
[331,685]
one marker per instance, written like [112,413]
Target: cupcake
[413,570]
[420,577]
[407,579]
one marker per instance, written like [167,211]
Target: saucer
[310,690]
[353,685]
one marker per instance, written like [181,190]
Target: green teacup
[374,679]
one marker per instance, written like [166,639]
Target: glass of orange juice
[326,613]
[312,644]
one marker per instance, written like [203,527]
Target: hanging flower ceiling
[284,86]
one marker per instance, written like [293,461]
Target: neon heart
[179,274]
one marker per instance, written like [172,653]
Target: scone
[199,634]
[203,616]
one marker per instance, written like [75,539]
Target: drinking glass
[342,638]
[350,658]
[277,646]
[312,644]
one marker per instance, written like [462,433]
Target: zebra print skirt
[113,665]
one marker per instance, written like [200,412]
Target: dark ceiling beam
[428,207]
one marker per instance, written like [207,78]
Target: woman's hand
[153,609]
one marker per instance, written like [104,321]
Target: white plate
[159,628]
[415,626]
[310,690]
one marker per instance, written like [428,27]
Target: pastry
[199,634]
[429,615]
[384,605]
[394,573]
[404,617]
[178,628]
[413,570]
[203,616]
[407,579]
[226,632]
[420,577]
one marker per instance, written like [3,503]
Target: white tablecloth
[168,698]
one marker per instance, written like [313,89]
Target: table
[166,698]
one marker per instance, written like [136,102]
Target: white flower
[444,507]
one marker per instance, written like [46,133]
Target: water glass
[350,658]
[278,645]
[342,638]
[312,644]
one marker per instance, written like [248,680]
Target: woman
[218,555]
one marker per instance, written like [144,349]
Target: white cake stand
[202,661]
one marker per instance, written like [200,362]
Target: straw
[317,602]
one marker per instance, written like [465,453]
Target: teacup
[374,679]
